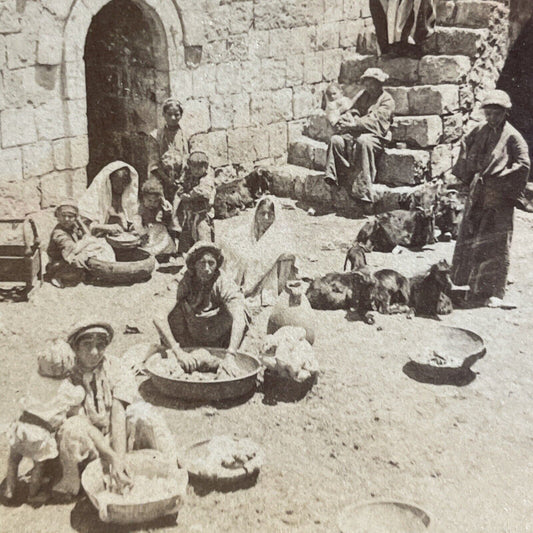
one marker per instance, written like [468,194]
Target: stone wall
[248,71]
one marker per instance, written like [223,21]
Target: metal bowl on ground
[149,463]
[124,240]
[207,391]
[132,265]
[383,517]
[451,348]
[226,479]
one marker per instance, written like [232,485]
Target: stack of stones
[436,97]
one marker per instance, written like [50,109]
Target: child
[71,246]
[193,205]
[105,427]
[62,268]
[335,103]
[33,435]
[154,219]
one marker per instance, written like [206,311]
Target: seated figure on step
[361,135]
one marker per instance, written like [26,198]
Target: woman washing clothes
[260,257]
[109,205]
[209,309]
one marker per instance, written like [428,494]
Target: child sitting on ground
[34,434]
[154,218]
[193,205]
[71,246]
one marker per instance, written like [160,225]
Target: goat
[356,256]
[429,294]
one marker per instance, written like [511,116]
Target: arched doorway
[127,77]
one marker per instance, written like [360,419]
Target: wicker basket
[142,462]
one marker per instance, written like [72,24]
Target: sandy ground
[366,431]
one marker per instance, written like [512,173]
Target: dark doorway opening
[126,73]
[517,80]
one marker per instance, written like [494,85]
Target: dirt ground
[366,431]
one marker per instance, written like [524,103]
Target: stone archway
[127,77]
[162,19]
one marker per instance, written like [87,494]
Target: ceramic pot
[292,308]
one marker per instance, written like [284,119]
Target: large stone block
[214,144]
[274,74]
[241,17]
[19,198]
[462,41]
[333,10]
[76,118]
[331,64]
[353,67]
[422,131]
[313,67]
[350,30]
[247,144]
[9,17]
[21,50]
[433,99]
[441,160]
[452,127]
[61,8]
[49,119]
[403,167]
[390,198]
[435,70]
[277,140]
[54,187]
[11,165]
[180,85]
[269,107]
[237,48]
[468,13]
[13,93]
[308,153]
[37,159]
[50,41]
[74,80]
[287,13]
[401,99]
[327,36]
[258,44]
[78,182]
[18,127]
[306,100]
[71,152]
[229,78]
[401,70]
[317,190]
[295,70]
[204,80]
[196,117]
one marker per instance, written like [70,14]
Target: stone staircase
[436,96]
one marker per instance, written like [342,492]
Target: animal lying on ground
[449,215]
[231,198]
[412,229]
[356,256]
[390,293]
[429,293]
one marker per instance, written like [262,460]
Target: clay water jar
[292,308]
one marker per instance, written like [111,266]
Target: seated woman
[110,203]
[259,257]
[110,420]
[209,308]
[154,219]
[71,246]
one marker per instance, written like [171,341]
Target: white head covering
[249,260]
[96,201]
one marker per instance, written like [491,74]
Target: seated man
[362,132]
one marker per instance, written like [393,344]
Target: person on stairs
[361,135]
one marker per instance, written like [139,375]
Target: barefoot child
[193,206]
[34,434]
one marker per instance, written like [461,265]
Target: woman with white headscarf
[260,256]
[111,202]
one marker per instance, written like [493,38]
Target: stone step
[419,131]
[451,41]
[300,183]
[318,127]
[307,152]
[425,99]
[403,166]
[430,70]
[467,13]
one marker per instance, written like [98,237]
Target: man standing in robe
[403,25]
[494,163]
[362,133]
